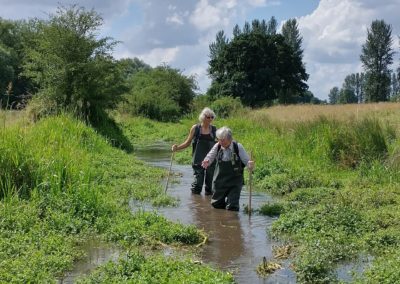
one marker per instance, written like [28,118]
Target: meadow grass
[334,171]
[60,184]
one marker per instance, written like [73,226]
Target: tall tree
[395,85]
[220,42]
[377,55]
[290,32]
[271,26]
[359,86]
[74,68]
[258,68]
[333,95]
[292,37]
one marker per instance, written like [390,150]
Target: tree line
[378,83]
[61,64]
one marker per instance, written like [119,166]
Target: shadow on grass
[107,127]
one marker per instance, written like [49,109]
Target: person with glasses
[202,136]
[231,158]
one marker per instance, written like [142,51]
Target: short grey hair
[206,112]
[224,133]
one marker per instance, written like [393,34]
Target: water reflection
[97,253]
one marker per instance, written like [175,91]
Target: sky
[178,32]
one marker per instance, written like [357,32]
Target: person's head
[224,136]
[206,114]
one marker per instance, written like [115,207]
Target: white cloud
[158,56]
[264,3]
[333,36]
[175,19]
[179,32]
[207,16]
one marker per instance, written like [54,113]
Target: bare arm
[187,142]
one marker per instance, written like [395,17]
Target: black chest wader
[227,183]
[200,150]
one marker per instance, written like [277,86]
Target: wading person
[231,158]
[202,136]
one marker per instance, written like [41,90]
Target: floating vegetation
[267,267]
[282,252]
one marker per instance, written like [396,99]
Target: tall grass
[61,182]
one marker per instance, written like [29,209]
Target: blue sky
[178,32]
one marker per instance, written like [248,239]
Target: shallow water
[237,242]
[97,253]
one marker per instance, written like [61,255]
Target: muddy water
[237,242]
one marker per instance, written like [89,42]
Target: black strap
[197,134]
[236,149]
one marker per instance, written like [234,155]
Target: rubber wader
[227,183]
[203,146]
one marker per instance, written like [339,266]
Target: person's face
[224,142]
[209,118]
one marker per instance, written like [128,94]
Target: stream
[236,242]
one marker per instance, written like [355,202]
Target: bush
[226,106]
[161,93]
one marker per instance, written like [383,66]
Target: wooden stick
[169,171]
[250,184]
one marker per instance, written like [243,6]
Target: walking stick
[169,171]
[250,184]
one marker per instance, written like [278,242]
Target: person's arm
[209,159]
[245,157]
[187,142]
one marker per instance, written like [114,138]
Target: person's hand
[250,165]
[174,148]
[205,163]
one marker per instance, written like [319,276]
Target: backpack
[197,133]
[236,149]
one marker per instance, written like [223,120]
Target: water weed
[136,268]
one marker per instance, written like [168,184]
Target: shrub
[226,106]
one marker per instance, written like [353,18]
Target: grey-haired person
[202,137]
[231,158]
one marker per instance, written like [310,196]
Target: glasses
[210,117]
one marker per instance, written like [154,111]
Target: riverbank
[62,184]
[336,180]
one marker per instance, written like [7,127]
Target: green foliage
[75,185]
[361,141]
[161,93]
[255,66]
[136,268]
[73,68]
[271,209]
[14,36]
[146,227]
[226,106]
[384,269]
[7,73]
[199,103]
[285,183]
[377,56]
